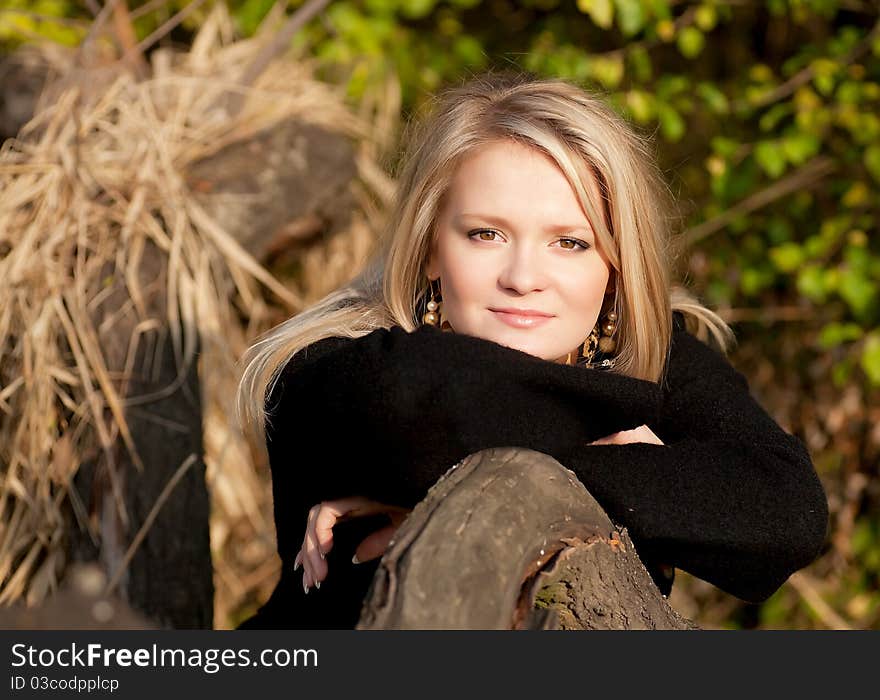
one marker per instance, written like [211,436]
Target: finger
[326,517]
[313,558]
[603,441]
[649,436]
[355,506]
[329,513]
[374,544]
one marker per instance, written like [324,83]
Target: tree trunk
[280,189]
[510,539]
[169,576]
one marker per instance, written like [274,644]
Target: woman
[521,296]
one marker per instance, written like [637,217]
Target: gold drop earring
[590,345]
[604,341]
[607,343]
[432,316]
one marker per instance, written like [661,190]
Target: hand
[318,539]
[641,434]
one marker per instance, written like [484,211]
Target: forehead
[513,175]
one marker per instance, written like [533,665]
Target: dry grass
[91,180]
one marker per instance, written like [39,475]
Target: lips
[520,312]
[521,319]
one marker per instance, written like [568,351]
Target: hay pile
[96,176]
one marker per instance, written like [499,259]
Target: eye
[480,232]
[573,244]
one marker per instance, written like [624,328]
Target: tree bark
[510,539]
[169,576]
[280,189]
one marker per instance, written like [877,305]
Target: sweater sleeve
[387,414]
[730,498]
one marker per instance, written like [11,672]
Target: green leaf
[630,17]
[871,357]
[723,146]
[761,73]
[658,8]
[770,157]
[640,63]
[799,147]
[416,9]
[787,257]
[841,372]
[849,92]
[872,161]
[665,29]
[713,97]
[858,291]
[753,280]
[834,334]
[824,70]
[469,51]
[779,230]
[814,246]
[857,195]
[690,42]
[641,104]
[600,11]
[671,123]
[706,17]
[771,118]
[250,13]
[811,283]
[608,71]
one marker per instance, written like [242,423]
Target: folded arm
[386,415]
[730,497]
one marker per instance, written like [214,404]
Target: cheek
[587,289]
[464,282]
[463,287]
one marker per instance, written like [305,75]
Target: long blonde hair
[586,139]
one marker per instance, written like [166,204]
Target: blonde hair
[586,139]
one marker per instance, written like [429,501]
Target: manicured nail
[355,560]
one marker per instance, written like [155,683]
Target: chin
[516,341]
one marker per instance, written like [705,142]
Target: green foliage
[50,20]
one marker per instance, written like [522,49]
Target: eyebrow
[501,221]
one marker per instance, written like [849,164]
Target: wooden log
[280,189]
[511,539]
[168,576]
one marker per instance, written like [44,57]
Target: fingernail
[318,585]
[355,560]
[297,561]
[305,587]
[321,553]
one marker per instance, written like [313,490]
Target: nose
[522,270]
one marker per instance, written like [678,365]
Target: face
[516,257]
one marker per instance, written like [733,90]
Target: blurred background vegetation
[765,120]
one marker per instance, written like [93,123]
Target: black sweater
[730,497]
